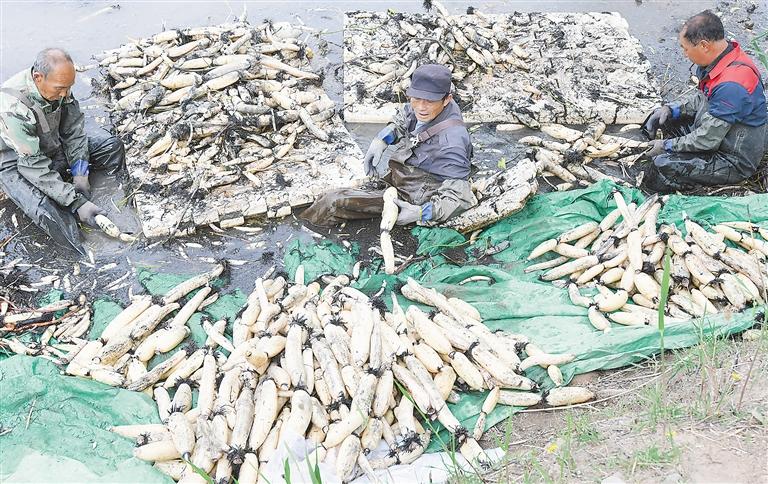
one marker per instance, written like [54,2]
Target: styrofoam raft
[569,68]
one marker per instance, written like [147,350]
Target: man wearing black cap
[429,163]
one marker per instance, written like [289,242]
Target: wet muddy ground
[86,28]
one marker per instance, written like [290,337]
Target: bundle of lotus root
[622,257]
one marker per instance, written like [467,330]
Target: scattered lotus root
[212,116]
[622,257]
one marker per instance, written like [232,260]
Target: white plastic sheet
[433,468]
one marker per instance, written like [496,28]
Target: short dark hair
[47,60]
[703,26]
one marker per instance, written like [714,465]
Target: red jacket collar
[726,60]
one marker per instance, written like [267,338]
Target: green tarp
[520,303]
[55,428]
[66,438]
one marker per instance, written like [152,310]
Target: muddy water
[86,28]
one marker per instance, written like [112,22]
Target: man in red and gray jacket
[429,160]
[716,135]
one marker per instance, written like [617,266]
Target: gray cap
[431,82]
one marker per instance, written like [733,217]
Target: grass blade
[314,470]
[760,52]
[663,297]
[201,472]
[287,471]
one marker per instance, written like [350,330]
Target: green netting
[520,303]
[66,439]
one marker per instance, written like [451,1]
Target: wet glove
[87,213]
[408,213]
[82,185]
[80,171]
[373,156]
[372,159]
[657,119]
[657,148]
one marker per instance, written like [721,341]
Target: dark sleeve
[72,131]
[707,137]
[19,131]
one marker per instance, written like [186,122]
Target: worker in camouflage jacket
[429,160]
[717,134]
[45,154]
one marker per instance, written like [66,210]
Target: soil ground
[700,415]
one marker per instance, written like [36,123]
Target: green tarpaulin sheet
[57,427]
[520,303]
[67,440]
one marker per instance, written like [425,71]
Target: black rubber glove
[408,213]
[82,185]
[656,120]
[87,213]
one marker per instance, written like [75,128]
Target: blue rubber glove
[80,171]
[426,212]
[387,135]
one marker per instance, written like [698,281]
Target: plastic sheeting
[66,437]
[520,303]
[57,427]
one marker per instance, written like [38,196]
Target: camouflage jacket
[24,143]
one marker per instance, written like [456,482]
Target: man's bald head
[48,60]
[53,73]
